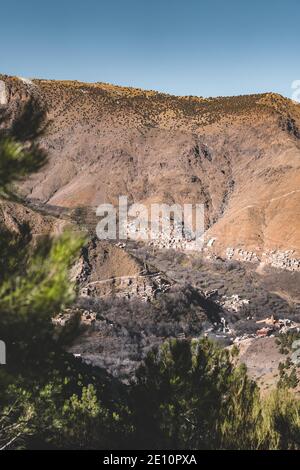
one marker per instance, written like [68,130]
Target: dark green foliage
[20,155]
[34,285]
[192,391]
[285,341]
[16,162]
[288,375]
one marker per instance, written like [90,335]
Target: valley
[239,156]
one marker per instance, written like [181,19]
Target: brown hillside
[238,155]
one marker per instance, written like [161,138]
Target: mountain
[238,155]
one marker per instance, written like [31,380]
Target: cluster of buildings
[272,325]
[174,238]
[241,255]
[276,258]
[282,260]
[233,303]
[144,287]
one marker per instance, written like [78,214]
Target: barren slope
[239,155]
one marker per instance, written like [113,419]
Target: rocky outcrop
[106,270]
[145,287]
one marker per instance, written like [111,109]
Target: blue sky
[186,47]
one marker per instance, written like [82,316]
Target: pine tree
[34,281]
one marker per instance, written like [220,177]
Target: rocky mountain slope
[240,156]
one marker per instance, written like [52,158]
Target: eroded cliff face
[239,156]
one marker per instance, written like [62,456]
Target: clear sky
[184,47]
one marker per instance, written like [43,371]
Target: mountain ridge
[238,155]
